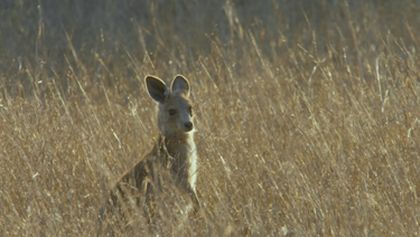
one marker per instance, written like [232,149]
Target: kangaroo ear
[157,88]
[180,85]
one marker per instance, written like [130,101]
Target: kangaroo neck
[179,146]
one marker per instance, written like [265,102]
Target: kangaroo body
[173,156]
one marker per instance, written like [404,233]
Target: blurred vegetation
[52,33]
[138,26]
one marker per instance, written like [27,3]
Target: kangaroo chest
[181,160]
[180,157]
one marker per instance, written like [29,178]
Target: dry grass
[316,131]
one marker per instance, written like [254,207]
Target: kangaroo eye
[190,110]
[172,112]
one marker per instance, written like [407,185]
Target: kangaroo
[174,153]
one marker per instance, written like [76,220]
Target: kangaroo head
[175,111]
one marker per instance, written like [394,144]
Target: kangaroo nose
[188,126]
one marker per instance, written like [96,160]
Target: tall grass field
[308,113]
